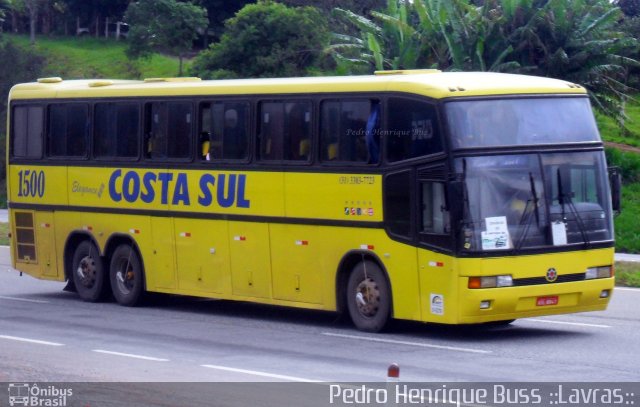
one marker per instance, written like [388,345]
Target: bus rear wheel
[368,297]
[88,272]
[127,278]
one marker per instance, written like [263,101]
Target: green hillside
[86,57]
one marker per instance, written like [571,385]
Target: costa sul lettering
[223,190]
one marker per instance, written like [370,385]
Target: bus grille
[565,278]
[25,237]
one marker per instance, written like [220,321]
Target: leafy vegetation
[163,25]
[4,234]
[576,40]
[266,39]
[87,57]
[627,274]
[24,65]
[627,227]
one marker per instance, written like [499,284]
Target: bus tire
[368,297]
[127,277]
[88,272]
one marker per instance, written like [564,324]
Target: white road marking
[637,290]
[549,321]
[262,374]
[2,297]
[39,342]
[419,344]
[130,355]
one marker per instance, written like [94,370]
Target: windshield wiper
[562,197]
[526,215]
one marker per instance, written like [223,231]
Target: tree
[630,8]
[26,65]
[163,25]
[5,5]
[575,40]
[266,39]
[219,11]
[33,7]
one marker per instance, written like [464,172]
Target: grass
[88,57]
[4,234]
[627,227]
[628,274]
[610,131]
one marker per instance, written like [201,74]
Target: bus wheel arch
[126,270]
[84,267]
[352,267]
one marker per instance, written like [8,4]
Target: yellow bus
[453,198]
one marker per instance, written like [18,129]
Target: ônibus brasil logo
[32,395]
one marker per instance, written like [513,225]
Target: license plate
[544,301]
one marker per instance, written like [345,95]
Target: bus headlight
[598,272]
[491,281]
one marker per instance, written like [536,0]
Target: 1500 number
[30,183]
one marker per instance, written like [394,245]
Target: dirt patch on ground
[623,147]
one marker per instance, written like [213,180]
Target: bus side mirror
[615,182]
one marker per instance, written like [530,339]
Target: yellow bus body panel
[277,237]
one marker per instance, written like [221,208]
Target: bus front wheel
[88,272]
[126,276]
[368,297]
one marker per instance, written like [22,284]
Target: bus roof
[432,83]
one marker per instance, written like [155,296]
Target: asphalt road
[48,334]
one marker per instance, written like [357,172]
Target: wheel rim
[367,298]
[125,276]
[87,271]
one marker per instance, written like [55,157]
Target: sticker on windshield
[496,224]
[495,241]
[559,233]
[496,237]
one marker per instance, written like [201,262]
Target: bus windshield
[523,121]
[514,202]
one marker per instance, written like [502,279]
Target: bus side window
[435,215]
[285,130]
[223,131]
[168,128]
[115,132]
[271,131]
[68,130]
[349,131]
[398,204]
[27,127]
[413,129]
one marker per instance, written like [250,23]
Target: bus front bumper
[507,303]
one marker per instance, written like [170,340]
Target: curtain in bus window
[27,131]
[271,131]
[68,130]
[412,130]
[297,131]
[155,131]
[235,137]
[179,130]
